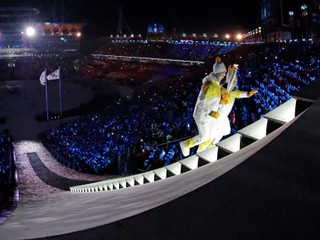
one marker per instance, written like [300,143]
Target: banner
[55,75]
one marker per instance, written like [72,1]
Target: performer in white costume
[228,97]
[206,110]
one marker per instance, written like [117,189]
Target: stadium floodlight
[239,36]
[30,31]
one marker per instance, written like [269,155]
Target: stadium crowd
[30,67]
[7,172]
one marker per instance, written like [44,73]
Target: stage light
[30,31]
[239,36]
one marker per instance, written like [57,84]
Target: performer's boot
[186,145]
[211,145]
[205,145]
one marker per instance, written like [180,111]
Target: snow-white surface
[31,187]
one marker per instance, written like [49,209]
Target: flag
[43,78]
[55,75]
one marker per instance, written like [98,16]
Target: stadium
[93,151]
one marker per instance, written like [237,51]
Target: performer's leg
[213,132]
[217,139]
[203,129]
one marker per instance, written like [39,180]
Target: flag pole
[60,93]
[47,105]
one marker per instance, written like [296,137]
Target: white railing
[254,132]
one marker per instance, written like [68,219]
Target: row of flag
[55,75]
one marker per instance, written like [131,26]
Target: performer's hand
[214,114]
[233,67]
[236,66]
[252,92]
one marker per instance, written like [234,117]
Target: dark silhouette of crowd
[7,173]
[26,68]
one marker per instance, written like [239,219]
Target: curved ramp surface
[49,177]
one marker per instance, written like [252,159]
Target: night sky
[102,16]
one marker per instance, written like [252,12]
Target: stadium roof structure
[13,12]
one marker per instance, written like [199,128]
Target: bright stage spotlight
[30,31]
[239,36]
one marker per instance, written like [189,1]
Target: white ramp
[256,130]
[190,162]
[161,172]
[209,155]
[230,144]
[175,168]
[284,113]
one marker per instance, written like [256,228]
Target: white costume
[206,108]
[207,101]
[221,126]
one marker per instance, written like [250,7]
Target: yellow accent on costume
[211,145]
[252,92]
[212,91]
[190,143]
[204,145]
[214,114]
[225,98]
[228,98]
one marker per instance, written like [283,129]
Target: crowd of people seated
[7,172]
[114,56]
[26,68]
[131,74]
[182,50]
[142,133]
